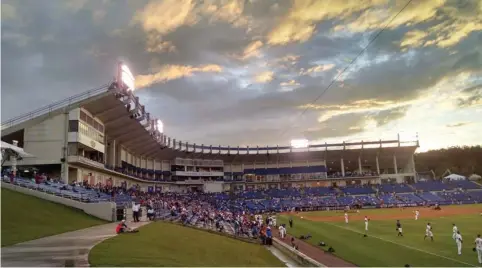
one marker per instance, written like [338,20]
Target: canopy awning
[16,149]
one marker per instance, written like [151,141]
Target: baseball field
[382,246]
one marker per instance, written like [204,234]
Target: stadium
[105,139]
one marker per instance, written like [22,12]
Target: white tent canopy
[16,149]
[455,177]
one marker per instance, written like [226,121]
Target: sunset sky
[248,72]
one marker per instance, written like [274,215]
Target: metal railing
[54,106]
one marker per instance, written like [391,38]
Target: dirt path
[396,213]
[315,253]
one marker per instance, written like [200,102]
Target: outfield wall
[103,210]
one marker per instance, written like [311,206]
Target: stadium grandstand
[106,137]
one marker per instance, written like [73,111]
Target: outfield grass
[165,244]
[26,217]
[382,247]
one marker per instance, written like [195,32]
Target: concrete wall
[45,141]
[213,187]
[295,255]
[103,210]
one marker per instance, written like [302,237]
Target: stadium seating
[357,189]
[77,193]
[428,186]
[395,188]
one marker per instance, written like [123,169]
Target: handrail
[53,106]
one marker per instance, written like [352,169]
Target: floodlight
[160,126]
[125,77]
[299,143]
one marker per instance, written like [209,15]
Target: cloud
[264,77]
[171,72]
[230,11]
[290,83]
[316,69]
[252,50]
[460,124]
[9,12]
[300,22]
[166,15]
[267,60]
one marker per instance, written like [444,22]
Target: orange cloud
[264,77]
[316,69]
[171,72]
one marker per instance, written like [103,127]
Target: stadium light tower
[299,143]
[125,77]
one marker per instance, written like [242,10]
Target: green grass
[26,217]
[382,247]
[165,244]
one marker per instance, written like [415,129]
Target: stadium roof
[140,138]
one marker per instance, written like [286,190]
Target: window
[83,116]
[89,120]
[73,125]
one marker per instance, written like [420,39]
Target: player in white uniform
[478,248]
[366,225]
[417,214]
[346,217]
[282,231]
[459,241]
[454,231]
[428,232]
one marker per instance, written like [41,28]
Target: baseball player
[399,228]
[459,241]
[282,231]
[346,217]
[417,214]
[428,232]
[454,231]
[366,225]
[478,248]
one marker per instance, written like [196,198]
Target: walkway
[70,248]
[316,253]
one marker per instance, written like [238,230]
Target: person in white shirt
[454,231]
[417,214]
[459,241]
[135,211]
[150,214]
[346,217]
[282,231]
[428,232]
[478,248]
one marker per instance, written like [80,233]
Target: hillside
[461,160]
[27,217]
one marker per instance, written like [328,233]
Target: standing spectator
[135,211]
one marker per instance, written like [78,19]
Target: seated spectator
[123,228]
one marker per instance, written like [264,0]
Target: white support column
[65,155]
[378,165]
[342,167]
[413,164]
[360,171]
[395,164]
[13,159]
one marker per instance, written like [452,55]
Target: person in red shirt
[121,227]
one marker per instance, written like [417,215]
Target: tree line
[464,160]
